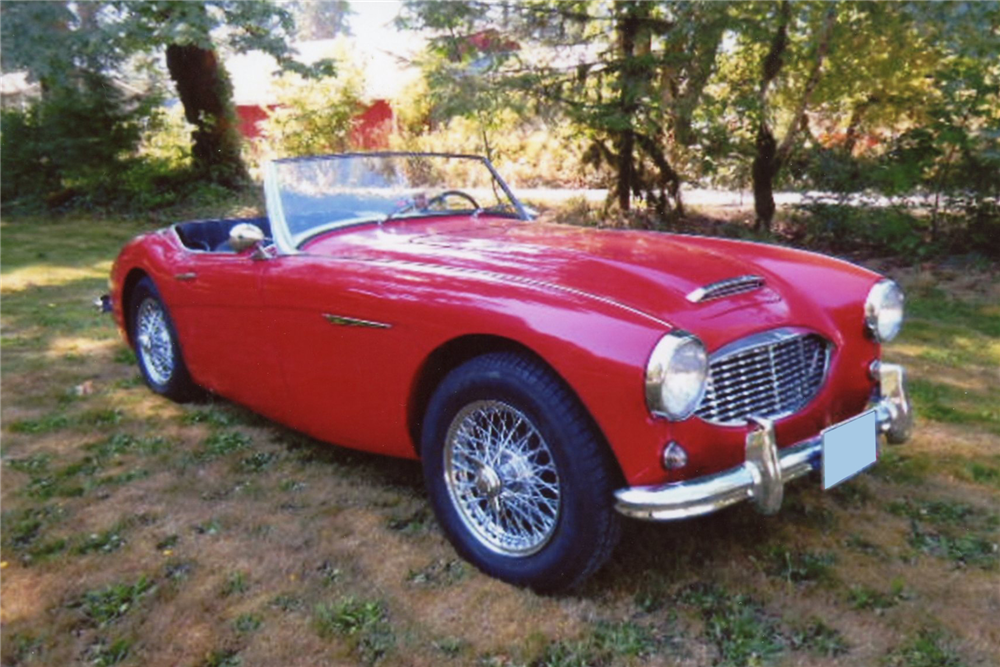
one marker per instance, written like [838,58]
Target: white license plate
[848,448]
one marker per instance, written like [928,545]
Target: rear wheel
[518,477]
[156,345]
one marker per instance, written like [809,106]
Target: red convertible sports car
[551,378]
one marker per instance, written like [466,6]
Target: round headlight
[884,310]
[675,375]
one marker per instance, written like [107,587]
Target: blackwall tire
[157,347]
[518,477]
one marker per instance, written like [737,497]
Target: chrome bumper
[763,476]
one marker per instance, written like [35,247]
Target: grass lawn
[140,532]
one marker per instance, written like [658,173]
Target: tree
[79,135]
[627,74]
[320,19]
[188,31]
[100,38]
[770,155]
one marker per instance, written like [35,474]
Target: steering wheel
[437,199]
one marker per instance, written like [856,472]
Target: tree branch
[822,47]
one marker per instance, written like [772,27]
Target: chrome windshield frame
[283,238]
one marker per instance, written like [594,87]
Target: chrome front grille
[770,375]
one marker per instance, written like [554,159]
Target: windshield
[318,194]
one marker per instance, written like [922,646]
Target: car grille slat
[771,375]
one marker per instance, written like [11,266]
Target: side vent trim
[727,287]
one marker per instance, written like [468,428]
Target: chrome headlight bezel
[884,310]
[676,376]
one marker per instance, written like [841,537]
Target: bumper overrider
[763,476]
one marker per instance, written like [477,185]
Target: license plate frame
[848,448]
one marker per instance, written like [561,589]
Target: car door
[344,356]
[223,326]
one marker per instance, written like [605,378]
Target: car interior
[213,235]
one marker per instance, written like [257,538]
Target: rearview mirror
[245,236]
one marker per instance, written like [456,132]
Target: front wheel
[156,345]
[517,476]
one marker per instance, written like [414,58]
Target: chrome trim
[275,212]
[342,321]
[283,239]
[502,479]
[873,306]
[767,469]
[766,339]
[895,411]
[657,367]
[764,465]
[727,287]
[185,277]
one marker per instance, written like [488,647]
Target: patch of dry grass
[136,531]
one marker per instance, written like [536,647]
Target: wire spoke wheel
[502,478]
[154,341]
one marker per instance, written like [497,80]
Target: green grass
[103,654]
[363,622]
[739,626]
[622,642]
[954,336]
[818,638]
[867,598]
[796,566]
[222,443]
[106,605]
[283,550]
[929,648]
[236,584]
[248,623]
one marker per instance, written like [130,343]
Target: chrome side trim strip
[342,321]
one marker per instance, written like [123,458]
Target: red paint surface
[591,303]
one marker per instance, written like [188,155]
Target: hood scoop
[727,287]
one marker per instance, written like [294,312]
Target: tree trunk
[765,168]
[627,26]
[206,93]
[770,155]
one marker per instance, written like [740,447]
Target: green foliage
[312,116]
[223,443]
[799,566]
[106,605]
[608,643]
[928,648]
[103,654]
[75,144]
[438,573]
[864,597]
[222,658]
[819,638]
[247,623]
[737,625]
[363,622]
[236,584]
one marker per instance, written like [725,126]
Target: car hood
[642,271]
